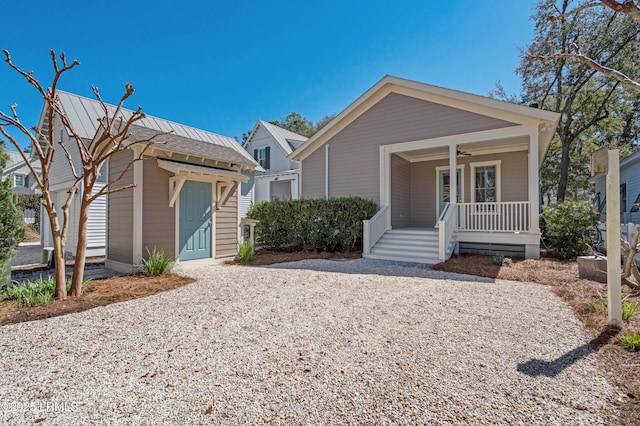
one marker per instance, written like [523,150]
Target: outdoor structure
[409,146]
[270,145]
[185,197]
[629,190]
[23,182]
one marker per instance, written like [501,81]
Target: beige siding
[158,219]
[354,155]
[400,192]
[513,183]
[313,179]
[120,212]
[227,228]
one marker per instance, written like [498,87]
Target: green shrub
[156,263]
[245,251]
[312,224]
[565,227]
[631,341]
[32,293]
[628,309]
[29,202]
[501,260]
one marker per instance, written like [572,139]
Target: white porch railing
[510,216]
[374,228]
[446,228]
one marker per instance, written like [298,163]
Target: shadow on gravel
[376,267]
[537,367]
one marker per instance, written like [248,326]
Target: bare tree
[111,137]
[628,7]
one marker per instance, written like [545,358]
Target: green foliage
[565,227]
[600,306]
[11,219]
[631,341]
[312,224]
[501,260]
[32,293]
[596,110]
[156,263]
[245,251]
[628,309]
[301,125]
[29,202]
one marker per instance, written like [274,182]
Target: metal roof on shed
[84,114]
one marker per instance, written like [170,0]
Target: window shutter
[267,162]
[255,154]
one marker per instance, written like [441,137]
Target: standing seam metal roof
[84,113]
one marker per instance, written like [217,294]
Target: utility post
[608,162]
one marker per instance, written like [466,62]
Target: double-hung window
[486,181]
[262,156]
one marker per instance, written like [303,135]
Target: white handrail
[509,216]
[446,228]
[374,228]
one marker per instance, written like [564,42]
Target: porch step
[407,245]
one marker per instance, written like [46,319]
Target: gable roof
[84,113]
[507,111]
[287,139]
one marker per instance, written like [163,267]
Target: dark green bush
[29,202]
[566,227]
[312,224]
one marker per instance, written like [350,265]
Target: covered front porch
[494,176]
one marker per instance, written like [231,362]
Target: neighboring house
[409,146]
[185,197]
[18,170]
[270,145]
[629,190]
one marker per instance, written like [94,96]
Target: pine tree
[11,223]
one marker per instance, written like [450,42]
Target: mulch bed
[96,293]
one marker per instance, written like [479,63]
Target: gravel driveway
[312,342]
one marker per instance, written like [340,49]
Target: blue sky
[221,66]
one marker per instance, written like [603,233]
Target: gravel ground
[312,342]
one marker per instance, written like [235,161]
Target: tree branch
[578,56]
[628,7]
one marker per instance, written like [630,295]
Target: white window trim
[495,163]
[458,184]
[260,160]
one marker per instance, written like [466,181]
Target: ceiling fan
[459,153]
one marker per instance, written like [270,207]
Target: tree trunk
[81,248]
[564,170]
[58,247]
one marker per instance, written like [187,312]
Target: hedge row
[312,224]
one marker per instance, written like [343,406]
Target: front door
[195,220]
[444,185]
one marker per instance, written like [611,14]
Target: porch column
[534,188]
[453,174]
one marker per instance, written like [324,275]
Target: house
[185,197]
[23,182]
[629,190]
[270,145]
[410,146]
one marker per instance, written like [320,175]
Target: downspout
[326,171]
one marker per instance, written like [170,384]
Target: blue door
[195,220]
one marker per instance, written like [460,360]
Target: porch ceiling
[520,143]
